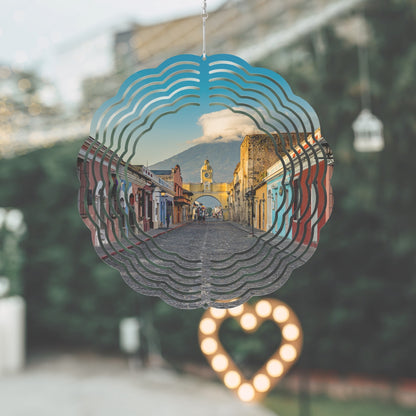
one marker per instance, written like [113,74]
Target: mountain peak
[223,158]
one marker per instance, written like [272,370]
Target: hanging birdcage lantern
[368,129]
[368,132]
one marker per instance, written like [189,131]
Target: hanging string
[364,76]
[204,20]
[363,64]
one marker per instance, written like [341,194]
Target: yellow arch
[217,190]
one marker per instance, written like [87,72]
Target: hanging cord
[204,20]
[363,64]
[364,76]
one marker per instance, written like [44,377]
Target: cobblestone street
[196,264]
[207,240]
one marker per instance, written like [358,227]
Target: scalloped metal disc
[281,184]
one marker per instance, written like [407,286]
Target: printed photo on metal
[205,181]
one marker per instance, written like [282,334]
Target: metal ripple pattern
[284,191]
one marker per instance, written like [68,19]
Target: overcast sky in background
[31,30]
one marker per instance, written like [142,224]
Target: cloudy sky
[225,126]
[31,30]
[218,125]
[67,41]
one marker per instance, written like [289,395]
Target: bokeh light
[248,321]
[207,326]
[281,314]
[219,362]
[218,313]
[274,368]
[209,346]
[263,308]
[246,392]
[287,352]
[237,311]
[232,379]
[261,383]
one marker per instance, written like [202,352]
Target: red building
[115,199]
[300,199]
[95,165]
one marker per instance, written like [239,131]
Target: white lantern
[368,132]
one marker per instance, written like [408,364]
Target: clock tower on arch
[206,175]
[206,172]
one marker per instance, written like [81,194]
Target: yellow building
[207,187]
[257,153]
[260,206]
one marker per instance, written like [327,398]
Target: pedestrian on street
[167,220]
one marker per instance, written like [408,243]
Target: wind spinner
[147,224]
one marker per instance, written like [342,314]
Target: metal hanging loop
[204,20]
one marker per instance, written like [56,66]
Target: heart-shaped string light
[250,319]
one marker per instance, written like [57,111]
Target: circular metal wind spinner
[277,199]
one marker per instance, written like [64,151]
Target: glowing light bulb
[246,392]
[280,313]
[288,352]
[219,362]
[232,379]
[209,346]
[290,332]
[218,313]
[238,310]
[274,368]
[248,321]
[207,326]
[263,308]
[261,383]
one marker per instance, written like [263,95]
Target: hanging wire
[363,65]
[204,20]
[364,76]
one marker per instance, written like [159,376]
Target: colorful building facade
[299,192]
[283,185]
[118,200]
